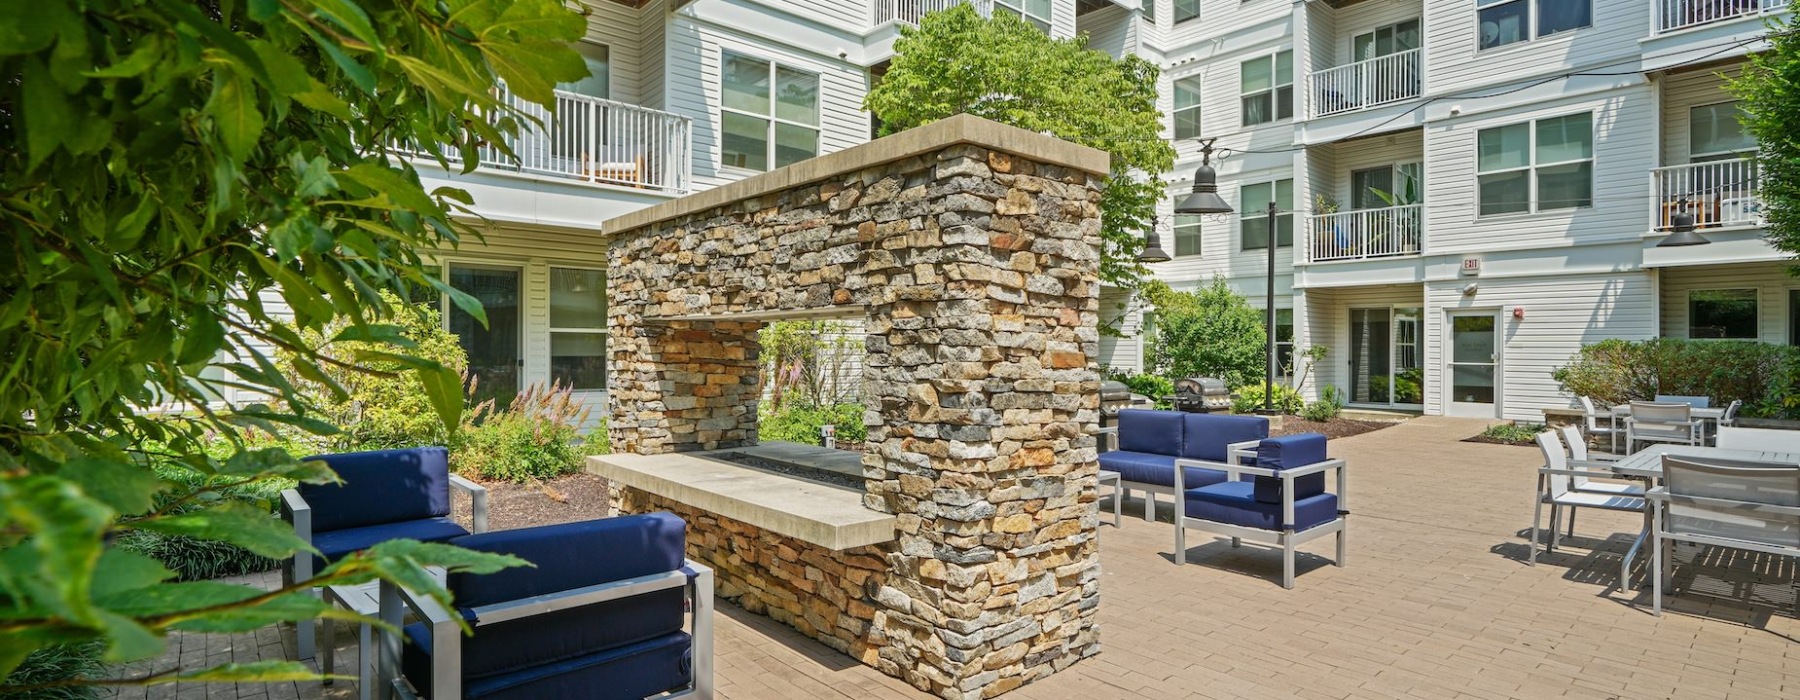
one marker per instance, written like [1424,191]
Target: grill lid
[1205,386]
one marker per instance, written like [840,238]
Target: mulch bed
[1498,441]
[1333,429]
[512,506]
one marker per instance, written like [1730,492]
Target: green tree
[1211,332]
[1008,70]
[1769,90]
[164,164]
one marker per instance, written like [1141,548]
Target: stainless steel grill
[1201,395]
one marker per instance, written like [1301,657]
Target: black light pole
[1269,301]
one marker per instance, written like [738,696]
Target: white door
[1472,368]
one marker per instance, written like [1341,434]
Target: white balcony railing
[1670,15]
[1366,233]
[1719,193]
[1364,84]
[599,141]
[909,11]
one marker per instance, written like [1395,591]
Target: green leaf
[233,522]
[64,546]
[28,27]
[48,115]
[235,114]
[253,672]
[124,571]
[122,485]
[444,387]
[129,641]
[204,338]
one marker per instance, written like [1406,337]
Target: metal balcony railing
[1670,15]
[1366,233]
[599,141]
[1718,193]
[1364,84]
[909,11]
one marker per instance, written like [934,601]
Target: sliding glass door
[1386,347]
[496,360]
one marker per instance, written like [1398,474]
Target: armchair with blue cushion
[383,495]
[1150,442]
[598,616]
[1285,505]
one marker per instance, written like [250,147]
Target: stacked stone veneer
[976,268]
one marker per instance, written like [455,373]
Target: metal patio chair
[1286,504]
[1555,488]
[1750,506]
[1591,423]
[1662,422]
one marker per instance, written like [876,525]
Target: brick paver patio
[1436,602]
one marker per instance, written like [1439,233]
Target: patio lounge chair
[1286,505]
[1662,422]
[1759,439]
[1149,442]
[598,616]
[1750,506]
[1555,487]
[384,495]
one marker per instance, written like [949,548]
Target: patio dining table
[1646,464]
[1622,411]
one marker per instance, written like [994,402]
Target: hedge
[1765,376]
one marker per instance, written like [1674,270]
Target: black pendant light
[1681,225]
[1205,198]
[1153,251]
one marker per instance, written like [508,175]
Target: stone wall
[976,268]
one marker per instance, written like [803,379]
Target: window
[1186,10]
[1187,235]
[1267,84]
[1253,202]
[1284,340]
[599,80]
[1722,313]
[1386,41]
[1149,11]
[1504,22]
[1187,108]
[1034,11]
[1714,133]
[1537,166]
[1372,188]
[769,113]
[1794,317]
[578,328]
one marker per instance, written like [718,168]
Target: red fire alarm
[1518,313]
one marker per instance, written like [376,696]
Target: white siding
[1681,92]
[653,29]
[1624,126]
[1454,64]
[1370,152]
[1123,352]
[619,28]
[692,89]
[1562,313]
[1363,18]
[1110,30]
[1770,280]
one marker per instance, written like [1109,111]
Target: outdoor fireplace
[966,561]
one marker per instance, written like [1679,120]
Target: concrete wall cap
[930,138]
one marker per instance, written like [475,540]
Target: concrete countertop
[825,515]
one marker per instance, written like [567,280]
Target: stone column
[684,385]
[984,399]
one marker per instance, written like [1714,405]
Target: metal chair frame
[1285,538]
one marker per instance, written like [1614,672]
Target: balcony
[1364,234]
[909,11]
[1364,84]
[1672,15]
[589,139]
[1720,194]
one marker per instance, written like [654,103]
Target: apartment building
[1470,190]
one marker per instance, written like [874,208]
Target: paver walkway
[1436,602]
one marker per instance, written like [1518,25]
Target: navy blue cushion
[631,672]
[337,543]
[1151,432]
[1290,452]
[1144,468]
[1234,503]
[384,486]
[1207,434]
[567,557]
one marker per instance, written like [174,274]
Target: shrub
[195,559]
[1158,389]
[534,438]
[1514,432]
[1329,405]
[1249,399]
[56,663]
[383,410]
[801,424]
[192,559]
[1764,376]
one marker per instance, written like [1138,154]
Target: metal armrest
[1240,450]
[298,513]
[446,641]
[478,497]
[1603,472]
[1661,495]
[1235,470]
[1113,431]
